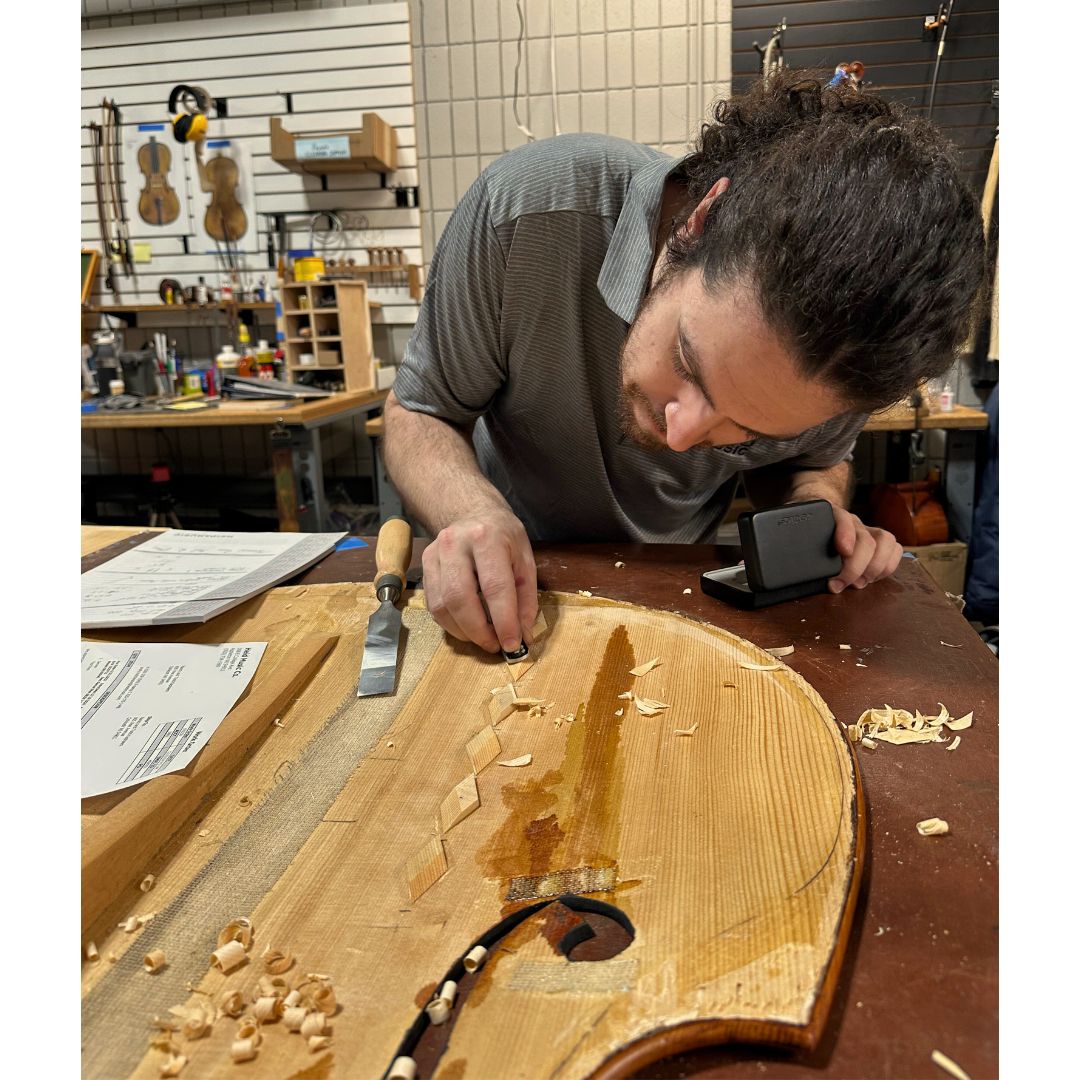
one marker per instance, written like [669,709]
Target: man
[610,338]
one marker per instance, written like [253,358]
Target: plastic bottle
[945,399]
[247,357]
[201,293]
[264,360]
[227,361]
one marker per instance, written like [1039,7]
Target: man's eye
[680,368]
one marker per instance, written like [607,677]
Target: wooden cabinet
[330,322]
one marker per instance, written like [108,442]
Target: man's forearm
[434,468]
[775,485]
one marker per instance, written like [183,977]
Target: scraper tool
[393,550]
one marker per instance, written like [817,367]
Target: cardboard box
[945,563]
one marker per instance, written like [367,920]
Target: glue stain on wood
[425,994]
[524,843]
[319,1071]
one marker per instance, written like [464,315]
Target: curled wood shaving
[649,706]
[154,961]
[688,592]
[229,957]
[243,1049]
[584,592]
[277,722]
[644,669]
[438,1012]
[318,1042]
[783,650]
[474,958]
[404,1068]
[949,645]
[846,648]
[959,725]
[293,1017]
[626,696]
[943,714]
[448,992]
[147,883]
[619,712]
[163,1040]
[292,998]
[518,762]
[687,731]
[527,702]
[268,1009]
[231,1003]
[272,986]
[954,744]
[868,743]
[275,961]
[248,1028]
[759,667]
[173,1066]
[853,732]
[129,925]
[92,953]
[944,1062]
[165,1023]
[197,1023]
[204,832]
[325,1000]
[619,565]
[934,826]
[237,930]
[314,1024]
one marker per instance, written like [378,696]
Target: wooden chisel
[393,551]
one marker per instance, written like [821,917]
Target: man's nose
[688,423]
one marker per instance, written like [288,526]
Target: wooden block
[540,627]
[483,748]
[502,703]
[459,804]
[426,867]
[515,671]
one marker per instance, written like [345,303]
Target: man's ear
[695,223]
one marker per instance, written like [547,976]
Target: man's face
[701,368]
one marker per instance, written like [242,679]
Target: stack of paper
[243,388]
[189,577]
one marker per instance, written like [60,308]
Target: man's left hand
[868,553]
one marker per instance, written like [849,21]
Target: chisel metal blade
[378,669]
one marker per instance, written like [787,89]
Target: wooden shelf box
[371,149]
[340,337]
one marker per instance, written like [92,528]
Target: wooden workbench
[921,968]
[295,445]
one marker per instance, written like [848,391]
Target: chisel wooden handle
[393,552]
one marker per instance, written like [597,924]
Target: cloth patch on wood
[595,977]
[583,879]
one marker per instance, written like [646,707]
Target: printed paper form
[148,709]
[180,577]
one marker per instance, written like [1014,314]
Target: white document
[185,577]
[149,709]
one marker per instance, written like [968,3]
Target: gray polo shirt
[535,281]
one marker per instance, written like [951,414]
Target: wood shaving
[154,961]
[648,706]
[584,592]
[539,628]
[165,1023]
[448,992]
[643,669]
[390,744]
[846,648]
[688,592]
[619,712]
[197,1023]
[272,986]
[268,1009]
[438,1012]
[759,667]
[950,1066]
[783,650]
[277,722]
[229,957]
[147,883]
[293,1017]
[503,702]
[231,1003]
[868,743]
[474,958]
[173,1066]
[314,1024]
[163,1040]
[248,1028]
[627,696]
[129,925]
[933,826]
[318,1042]
[899,727]
[959,725]
[243,1049]
[404,1068]
[92,953]
[619,565]
[517,762]
[954,744]
[292,998]
[325,1000]
[204,832]
[237,930]
[948,645]
[275,961]
[687,731]
[853,732]
[730,686]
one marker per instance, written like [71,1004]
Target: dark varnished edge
[697,1034]
[117,547]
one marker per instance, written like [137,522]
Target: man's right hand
[488,555]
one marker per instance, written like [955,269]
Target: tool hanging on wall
[937,26]
[772,55]
[107,174]
[97,145]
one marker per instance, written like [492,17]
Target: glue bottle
[945,399]
[247,357]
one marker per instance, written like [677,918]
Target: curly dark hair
[849,219]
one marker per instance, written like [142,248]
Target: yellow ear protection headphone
[189,125]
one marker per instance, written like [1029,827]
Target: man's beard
[629,392]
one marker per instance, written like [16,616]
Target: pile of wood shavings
[898,726]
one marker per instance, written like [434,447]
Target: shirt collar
[628,263]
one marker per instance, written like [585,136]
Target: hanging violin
[158,203]
[225,219]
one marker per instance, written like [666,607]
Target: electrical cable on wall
[517,70]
